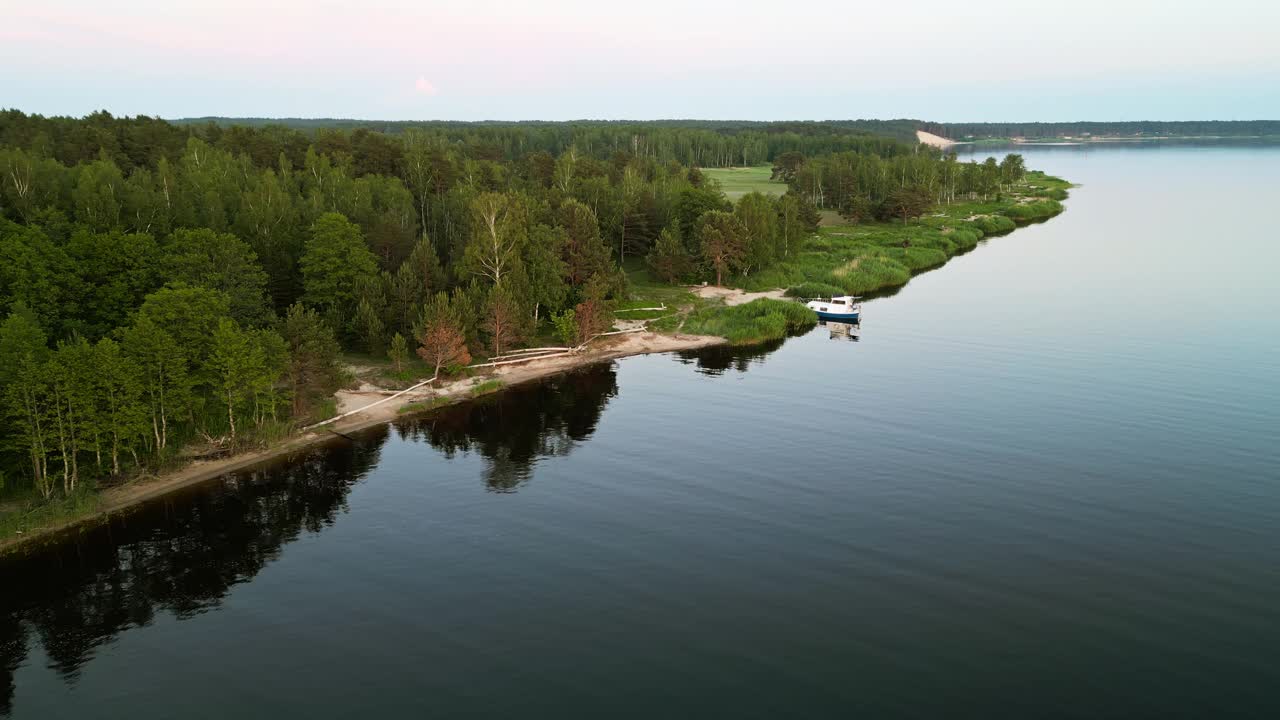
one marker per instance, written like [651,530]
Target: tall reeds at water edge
[754,322]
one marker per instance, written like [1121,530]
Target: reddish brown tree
[594,314]
[441,341]
[503,321]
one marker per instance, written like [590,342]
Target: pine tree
[504,321]
[723,241]
[594,315]
[312,370]
[398,352]
[369,325]
[441,339]
[585,254]
[670,260]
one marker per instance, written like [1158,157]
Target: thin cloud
[424,87]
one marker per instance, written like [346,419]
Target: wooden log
[520,360]
[530,350]
[376,403]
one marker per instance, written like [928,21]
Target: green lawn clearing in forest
[864,257]
[738,181]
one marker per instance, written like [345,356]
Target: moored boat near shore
[845,308]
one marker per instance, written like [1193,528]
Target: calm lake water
[1044,482]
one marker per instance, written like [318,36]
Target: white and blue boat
[843,308]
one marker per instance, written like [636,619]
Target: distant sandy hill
[934,140]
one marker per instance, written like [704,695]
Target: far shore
[118,499]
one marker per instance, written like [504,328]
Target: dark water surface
[1044,483]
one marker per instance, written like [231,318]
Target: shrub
[994,224]
[965,238]
[1038,210]
[755,322]
[873,273]
[566,325]
[917,258]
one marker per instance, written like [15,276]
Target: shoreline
[116,500]
[120,499]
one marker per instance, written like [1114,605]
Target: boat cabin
[839,307]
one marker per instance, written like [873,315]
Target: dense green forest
[164,286]
[374,148]
[1143,128]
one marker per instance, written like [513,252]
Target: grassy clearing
[752,323]
[646,291]
[627,309]
[379,370]
[736,182]
[856,259]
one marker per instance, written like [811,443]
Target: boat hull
[843,317]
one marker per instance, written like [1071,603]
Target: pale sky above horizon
[943,60]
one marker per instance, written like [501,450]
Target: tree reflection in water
[514,428]
[180,555]
[721,358]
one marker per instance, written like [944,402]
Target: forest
[171,285]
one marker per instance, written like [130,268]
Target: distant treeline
[901,129]
[376,147]
[1141,128]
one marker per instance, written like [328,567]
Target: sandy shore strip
[118,499]
[733,296]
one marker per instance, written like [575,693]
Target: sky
[947,61]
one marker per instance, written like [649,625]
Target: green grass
[752,323]
[379,370]
[33,512]
[736,182]
[422,405]
[814,290]
[857,259]
[647,291]
[625,311]
[486,387]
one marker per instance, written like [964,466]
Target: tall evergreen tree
[312,372]
[334,262]
[723,240]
